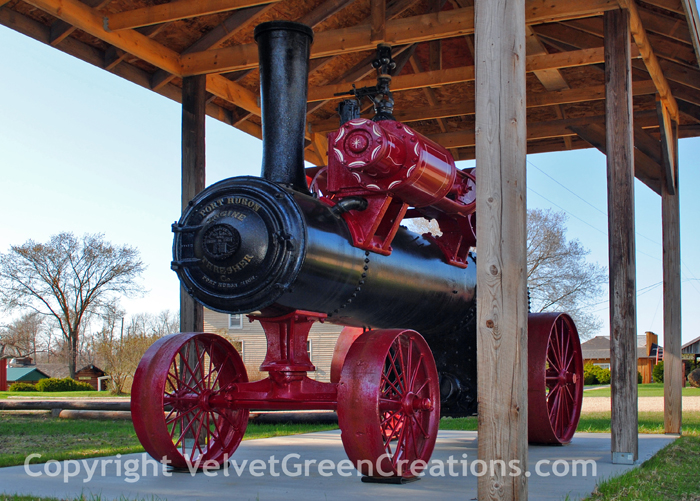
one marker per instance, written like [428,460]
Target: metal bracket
[623,458]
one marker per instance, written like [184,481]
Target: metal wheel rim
[389,414]
[170,400]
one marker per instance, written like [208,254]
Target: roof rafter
[83,17]
[568,96]
[465,73]
[173,11]
[649,58]
[219,34]
[408,30]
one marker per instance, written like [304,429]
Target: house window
[235,321]
[308,348]
[603,366]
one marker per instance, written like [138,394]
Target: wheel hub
[412,403]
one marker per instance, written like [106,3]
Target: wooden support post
[501,267]
[623,304]
[193,177]
[674,374]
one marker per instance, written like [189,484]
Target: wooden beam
[691,14]
[408,30]
[218,35]
[193,177]
[673,366]
[377,10]
[173,11]
[668,26]
[594,93]
[501,269]
[649,58]
[670,5]
[233,93]
[668,146]
[86,19]
[622,263]
[461,74]
[429,93]
[61,29]
[326,10]
[114,56]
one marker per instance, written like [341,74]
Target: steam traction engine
[338,253]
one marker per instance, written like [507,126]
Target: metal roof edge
[691,14]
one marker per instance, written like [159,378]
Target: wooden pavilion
[618,75]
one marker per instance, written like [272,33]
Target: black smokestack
[284,49]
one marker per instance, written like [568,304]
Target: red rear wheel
[389,403]
[171,400]
[555,386]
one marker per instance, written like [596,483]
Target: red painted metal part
[3,374]
[555,385]
[389,403]
[394,168]
[175,399]
[286,341]
[347,336]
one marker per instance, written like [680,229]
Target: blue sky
[83,150]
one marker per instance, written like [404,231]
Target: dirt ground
[646,404]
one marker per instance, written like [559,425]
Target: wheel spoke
[185,429]
[425,434]
[415,373]
[417,392]
[400,443]
[402,379]
[386,380]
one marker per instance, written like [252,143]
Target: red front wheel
[389,403]
[171,400]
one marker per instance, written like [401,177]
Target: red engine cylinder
[393,168]
[390,156]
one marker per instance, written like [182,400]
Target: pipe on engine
[284,49]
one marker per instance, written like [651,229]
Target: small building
[250,341]
[691,351]
[91,374]
[596,351]
[28,374]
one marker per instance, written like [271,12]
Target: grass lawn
[672,474]
[58,394]
[25,433]
[644,390]
[597,422]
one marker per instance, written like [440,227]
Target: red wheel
[389,403]
[172,400]
[555,386]
[347,336]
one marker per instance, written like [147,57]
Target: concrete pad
[449,475]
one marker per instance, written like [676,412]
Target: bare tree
[22,337]
[68,279]
[559,277]
[119,348]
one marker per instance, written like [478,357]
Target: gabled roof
[689,344]
[25,374]
[91,368]
[599,348]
